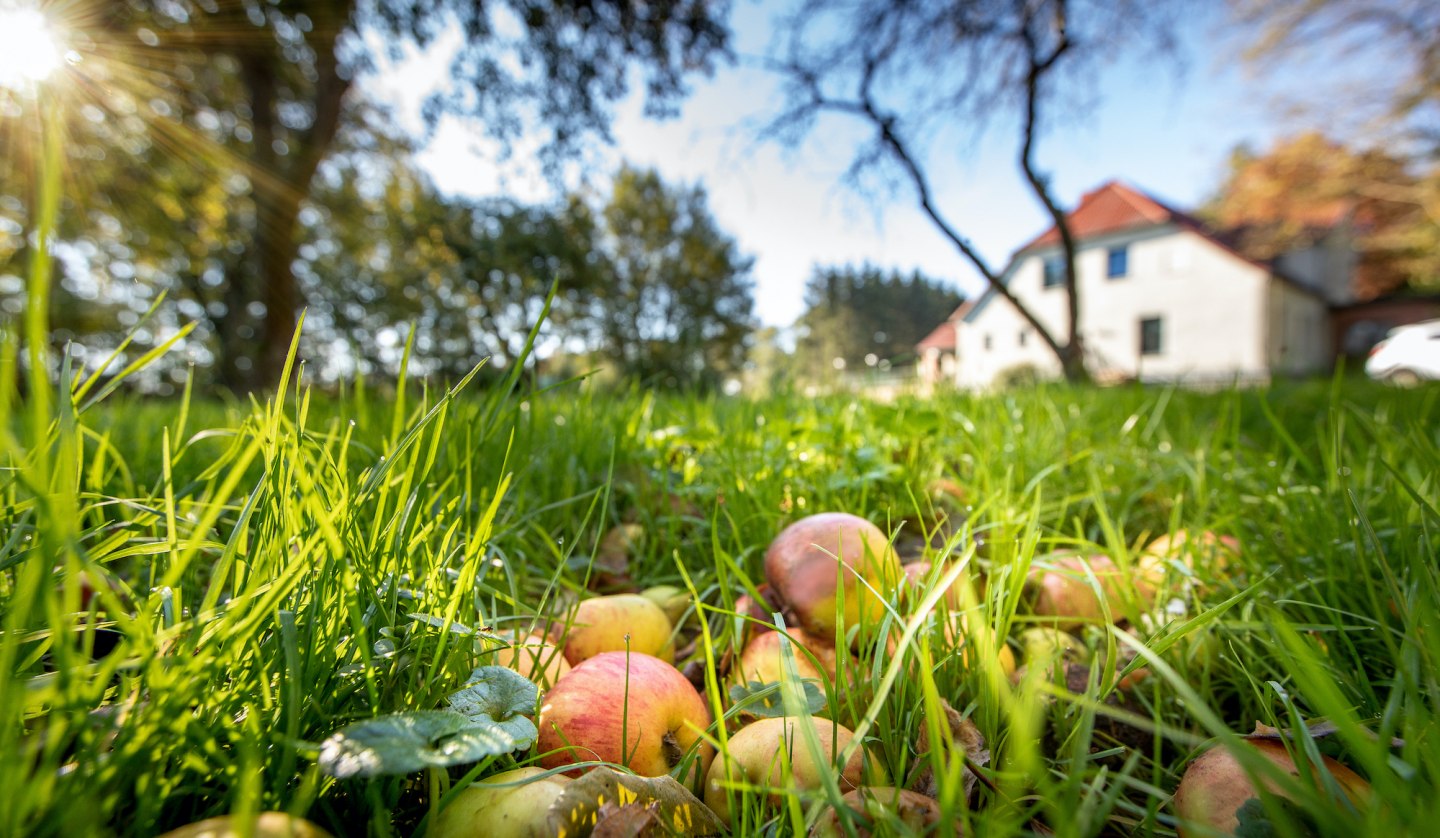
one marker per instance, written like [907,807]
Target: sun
[28,49]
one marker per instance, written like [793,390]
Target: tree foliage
[1389,53]
[675,306]
[1306,185]
[910,71]
[863,315]
[222,114]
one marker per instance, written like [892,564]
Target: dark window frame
[1052,272]
[1157,345]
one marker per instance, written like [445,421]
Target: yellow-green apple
[615,624]
[1215,786]
[1207,552]
[267,825]
[761,661]
[531,655]
[630,709]
[672,600]
[511,804]
[813,559]
[884,807]
[759,753]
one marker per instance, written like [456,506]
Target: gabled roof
[943,336]
[1109,208]
[1114,207]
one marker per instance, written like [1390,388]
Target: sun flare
[28,50]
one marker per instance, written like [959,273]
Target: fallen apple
[266,825]
[1063,590]
[1208,552]
[761,661]
[531,655]
[629,709]
[758,753]
[512,804]
[1215,786]
[885,808]
[618,623]
[804,564]
[954,636]
[672,600]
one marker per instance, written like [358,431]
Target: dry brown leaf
[965,735]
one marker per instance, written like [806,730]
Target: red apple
[630,709]
[532,655]
[761,661]
[1063,591]
[1215,786]
[811,559]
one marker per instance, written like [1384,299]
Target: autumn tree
[1388,53]
[862,315]
[1306,186]
[912,71]
[212,121]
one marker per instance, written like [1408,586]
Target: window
[1054,272]
[1117,262]
[1150,336]
[988,343]
[1024,333]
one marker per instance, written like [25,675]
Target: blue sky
[1166,131]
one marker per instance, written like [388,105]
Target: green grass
[260,552]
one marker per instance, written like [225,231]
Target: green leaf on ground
[401,743]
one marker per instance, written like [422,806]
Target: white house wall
[1212,305]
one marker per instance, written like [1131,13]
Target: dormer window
[1117,263]
[1054,272]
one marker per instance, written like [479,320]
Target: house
[1161,299]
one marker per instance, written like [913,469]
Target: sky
[1167,128]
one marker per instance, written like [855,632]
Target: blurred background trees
[204,128]
[860,317]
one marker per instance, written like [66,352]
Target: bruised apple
[512,804]
[531,655]
[761,661]
[617,623]
[1215,786]
[758,753]
[811,561]
[629,709]
[884,807]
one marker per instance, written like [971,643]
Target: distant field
[257,571]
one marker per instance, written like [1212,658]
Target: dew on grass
[524,407]
[1343,471]
[1164,447]
[559,420]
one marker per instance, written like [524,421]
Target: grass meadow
[196,593]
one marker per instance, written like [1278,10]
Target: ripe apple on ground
[1215,786]
[531,655]
[1207,552]
[884,806]
[761,661]
[1064,592]
[758,752]
[804,563]
[956,635]
[918,573]
[672,600]
[604,623]
[629,709]
[494,808]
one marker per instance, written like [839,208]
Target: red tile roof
[1109,208]
[943,336]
